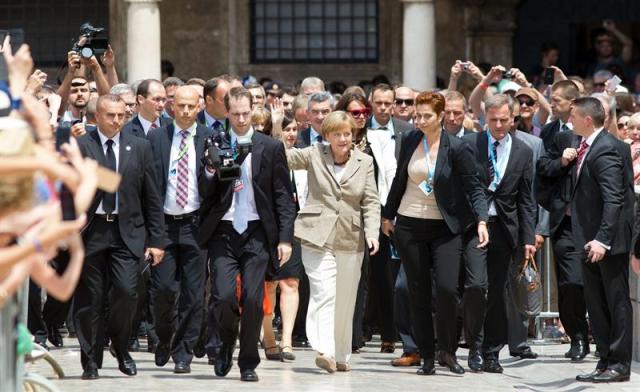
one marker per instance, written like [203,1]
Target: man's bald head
[185,106]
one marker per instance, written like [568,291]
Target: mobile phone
[614,82]
[549,76]
[17,39]
[63,133]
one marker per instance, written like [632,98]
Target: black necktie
[492,170]
[216,126]
[109,199]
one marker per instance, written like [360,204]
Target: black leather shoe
[588,377]
[90,374]
[492,366]
[224,360]
[54,337]
[428,368]
[128,367]
[578,351]
[151,346]
[211,361]
[134,344]
[42,342]
[182,368]
[475,361]
[249,375]
[526,353]
[449,361]
[163,352]
[300,343]
[611,375]
[199,350]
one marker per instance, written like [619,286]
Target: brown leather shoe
[387,347]
[407,359]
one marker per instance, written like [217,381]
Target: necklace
[343,162]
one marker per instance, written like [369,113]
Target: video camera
[224,158]
[89,43]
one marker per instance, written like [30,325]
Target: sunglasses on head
[408,102]
[360,113]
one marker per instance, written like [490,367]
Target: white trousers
[333,283]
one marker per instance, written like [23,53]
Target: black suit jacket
[459,193]
[140,212]
[548,132]
[134,126]
[598,205]
[513,198]
[202,120]
[272,191]
[161,139]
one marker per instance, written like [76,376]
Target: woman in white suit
[289,275]
[341,215]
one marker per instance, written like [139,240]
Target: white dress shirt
[313,137]
[171,207]
[146,125]
[503,149]
[245,194]
[460,133]
[383,148]
[388,125]
[67,116]
[116,152]
[562,124]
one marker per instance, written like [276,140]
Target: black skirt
[293,268]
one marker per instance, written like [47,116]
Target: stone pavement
[371,372]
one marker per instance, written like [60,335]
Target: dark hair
[548,46]
[143,87]
[237,93]
[591,107]
[212,84]
[172,81]
[382,87]
[286,121]
[166,67]
[435,100]
[349,97]
[569,89]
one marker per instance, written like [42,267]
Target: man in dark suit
[151,97]
[505,165]
[562,94]
[455,109]
[319,106]
[599,206]
[384,134]
[246,223]
[119,227]
[179,280]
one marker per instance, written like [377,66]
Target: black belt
[191,214]
[493,219]
[107,217]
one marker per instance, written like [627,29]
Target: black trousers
[517,322]
[571,301]
[144,314]
[382,276]
[362,296]
[402,311]
[423,245]
[499,258]
[246,254]
[107,256]
[475,284]
[610,312]
[177,289]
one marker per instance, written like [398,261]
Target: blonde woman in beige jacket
[340,218]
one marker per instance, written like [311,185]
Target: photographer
[246,223]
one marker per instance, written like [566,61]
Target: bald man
[177,150]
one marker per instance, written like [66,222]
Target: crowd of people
[200,214]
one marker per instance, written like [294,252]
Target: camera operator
[246,223]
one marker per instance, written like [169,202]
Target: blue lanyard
[430,168]
[494,161]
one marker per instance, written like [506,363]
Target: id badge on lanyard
[426,186]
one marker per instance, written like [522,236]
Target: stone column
[419,44]
[143,40]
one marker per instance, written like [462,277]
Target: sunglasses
[526,102]
[360,113]
[622,125]
[408,102]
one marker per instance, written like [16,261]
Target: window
[314,31]
[50,26]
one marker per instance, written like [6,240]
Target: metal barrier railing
[547,264]
[11,365]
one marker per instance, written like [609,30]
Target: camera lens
[86,52]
